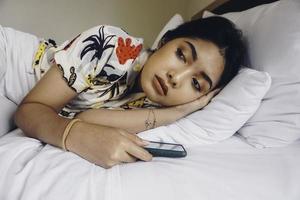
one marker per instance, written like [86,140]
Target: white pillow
[175,21]
[222,117]
[273,36]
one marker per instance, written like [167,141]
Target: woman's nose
[171,79]
[175,78]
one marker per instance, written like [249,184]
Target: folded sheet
[228,170]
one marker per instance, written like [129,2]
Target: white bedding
[228,170]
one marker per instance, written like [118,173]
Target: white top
[101,65]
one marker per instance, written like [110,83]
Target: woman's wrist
[165,116]
[182,110]
[67,132]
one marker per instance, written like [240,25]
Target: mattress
[231,169]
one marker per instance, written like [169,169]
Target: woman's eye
[180,55]
[196,84]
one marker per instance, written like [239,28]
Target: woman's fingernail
[145,142]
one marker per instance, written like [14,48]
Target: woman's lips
[160,85]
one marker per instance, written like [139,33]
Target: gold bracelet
[66,133]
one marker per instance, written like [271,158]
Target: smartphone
[161,149]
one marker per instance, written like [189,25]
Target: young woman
[85,90]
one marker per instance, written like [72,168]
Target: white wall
[63,19]
[196,5]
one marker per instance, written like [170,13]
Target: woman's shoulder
[105,29]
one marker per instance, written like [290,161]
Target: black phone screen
[161,149]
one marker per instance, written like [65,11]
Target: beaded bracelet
[150,124]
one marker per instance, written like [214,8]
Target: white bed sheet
[30,170]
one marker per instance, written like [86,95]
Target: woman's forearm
[41,122]
[134,121]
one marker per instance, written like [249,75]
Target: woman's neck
[137,87]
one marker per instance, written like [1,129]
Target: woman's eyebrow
[206,77]
[195,57]
[194,53]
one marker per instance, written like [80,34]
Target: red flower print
[127,51]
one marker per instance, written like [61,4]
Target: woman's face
[181,71]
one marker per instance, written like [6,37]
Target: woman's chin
[153,96]
[159,101]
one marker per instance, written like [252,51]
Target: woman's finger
[213,92]
[134,138]
[127,158]
[205,99]
[138,152]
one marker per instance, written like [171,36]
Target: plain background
[64,19]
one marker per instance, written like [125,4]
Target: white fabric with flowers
[101,65]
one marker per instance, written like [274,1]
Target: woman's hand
[197,104]
[105,146]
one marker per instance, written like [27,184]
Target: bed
[228,170]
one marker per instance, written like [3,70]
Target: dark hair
[222,33]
